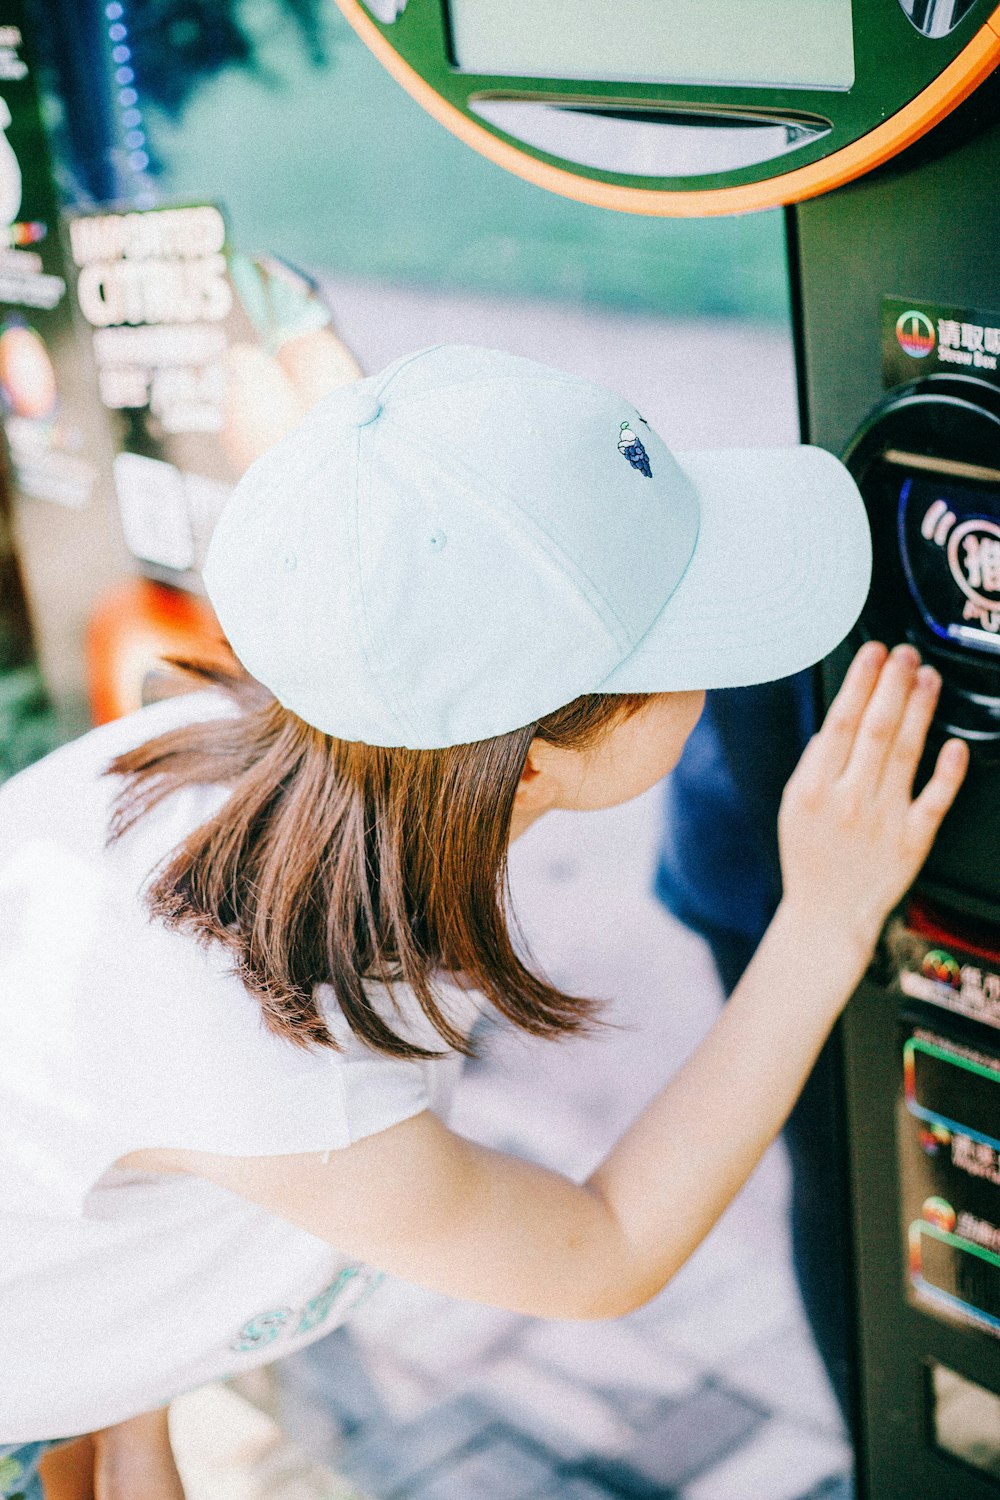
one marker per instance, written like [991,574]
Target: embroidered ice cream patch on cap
[631,448]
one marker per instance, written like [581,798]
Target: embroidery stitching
[630,447]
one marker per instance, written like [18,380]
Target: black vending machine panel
[922,1069]
[927,459]
[896,296]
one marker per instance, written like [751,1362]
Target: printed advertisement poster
[182,333]
[46,393]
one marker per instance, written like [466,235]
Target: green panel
[893,64]
[336,168]
[762,43]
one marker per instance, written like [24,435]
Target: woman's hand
[851,834]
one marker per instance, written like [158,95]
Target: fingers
[904,757]
[874,735]
[876,741]
[927,811]
[829,750]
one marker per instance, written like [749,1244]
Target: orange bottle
[130,632]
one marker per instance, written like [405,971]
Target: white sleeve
[163,1046]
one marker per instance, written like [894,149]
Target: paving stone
[334,1373]
[732,1312]
[780,1461]
[612,1479]
[576,1489]
[502,1469]
[610,1357]
[531,1119]
[389,1460]
[687,1439]
[445,1337]
[706,1276]
[309,1420]
[784,1370]
[840,1487]
[311,1407]
[390,1313]
[562,1414]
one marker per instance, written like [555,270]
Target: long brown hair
[335,862]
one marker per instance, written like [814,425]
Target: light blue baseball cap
[460,545]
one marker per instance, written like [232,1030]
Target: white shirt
[119,1290]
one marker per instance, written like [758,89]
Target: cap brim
[779,574]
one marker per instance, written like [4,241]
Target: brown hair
[333,862]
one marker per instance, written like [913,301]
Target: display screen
[963,1092]
[753,43]
[960,1272]
[949,540]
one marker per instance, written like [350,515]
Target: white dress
[119,1290]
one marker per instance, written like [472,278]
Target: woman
[252,926]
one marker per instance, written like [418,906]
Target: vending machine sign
[46,393]
[928,338]
[184,332]
[950,979]
[155,291]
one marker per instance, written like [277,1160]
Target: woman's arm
[425,1204]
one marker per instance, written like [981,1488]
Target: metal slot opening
[950,468]
[645,142]
[936,18]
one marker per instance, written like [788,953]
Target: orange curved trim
[964,74]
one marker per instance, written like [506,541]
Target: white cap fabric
[462,544]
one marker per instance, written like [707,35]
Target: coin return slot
[645,143]
[949,468]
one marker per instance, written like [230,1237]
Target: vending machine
[898,329]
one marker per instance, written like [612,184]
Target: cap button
[360,408]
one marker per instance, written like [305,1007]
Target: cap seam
[585,589]
[394,371]
[370,637]
[408,398]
